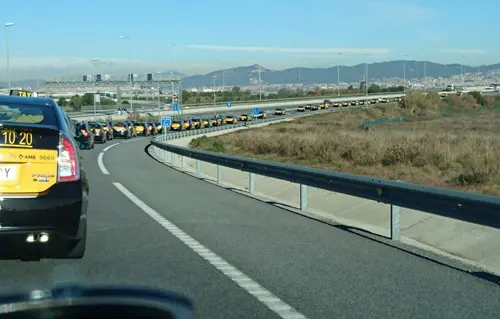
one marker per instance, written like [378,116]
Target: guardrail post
[173,159]
[182,163]
[395,222]
[198,168]
[219,174]
[303,197]
[251,183]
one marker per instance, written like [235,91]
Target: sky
[61,37]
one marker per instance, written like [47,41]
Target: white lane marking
[272,302]
[100,163]
[107,148]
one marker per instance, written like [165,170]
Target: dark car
[122,129]
[84,135]
[99,132]
[44,187]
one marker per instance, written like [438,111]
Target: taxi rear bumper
[61,213]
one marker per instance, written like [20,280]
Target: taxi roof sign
[23,93]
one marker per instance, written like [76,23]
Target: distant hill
[248,75]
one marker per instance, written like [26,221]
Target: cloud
[463,51]
[307,51]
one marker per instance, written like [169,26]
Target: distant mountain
[245,76]
[249,75]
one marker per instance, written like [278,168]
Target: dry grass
[461,151]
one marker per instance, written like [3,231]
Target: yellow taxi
[301,109]
[141,129]
[153,130]
[196,123]
[327,106]
[374,101]
[245,118]
[353,103]
[314,108]
[321,106]
[279,111]
[216,122]
[308,106]
[206,123]
[121,129]
[108,129]
[229,119]
[98,131]
[336,104]
[261,115]
[176,126]
[159,127]
[187,124]
[361,102]
[345,103]
[43,185]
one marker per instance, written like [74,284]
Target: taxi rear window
[27,114]
[95,125]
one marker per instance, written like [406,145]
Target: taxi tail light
[67,161]
[85,134]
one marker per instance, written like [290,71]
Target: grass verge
[454,144]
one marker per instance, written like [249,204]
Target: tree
[236,89]
[374,88]
[62,102]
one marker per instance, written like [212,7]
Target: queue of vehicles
[217,120]
[327,104]
[90,132]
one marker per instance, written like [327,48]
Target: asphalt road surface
[238,257]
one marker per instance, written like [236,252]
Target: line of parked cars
[87,133]
[217,120]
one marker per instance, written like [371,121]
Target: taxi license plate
[8,173]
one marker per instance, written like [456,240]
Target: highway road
[238,107]
[238,257]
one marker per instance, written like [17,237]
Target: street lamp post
[213,88]
[95,87]
[260,86]
[404,73]
[7,25]
[158,73]
[366,75]
[338,76]
[127,37]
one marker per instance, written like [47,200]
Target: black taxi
[43,186]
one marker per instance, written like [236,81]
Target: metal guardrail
[469,207]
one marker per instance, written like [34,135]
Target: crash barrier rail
[469,207]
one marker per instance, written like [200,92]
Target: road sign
[166,121]
[175,107]
[228,104]
[174,96]
[255,111]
